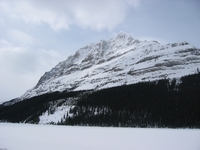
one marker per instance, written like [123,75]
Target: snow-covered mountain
[118,61]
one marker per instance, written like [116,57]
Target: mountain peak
[122,34]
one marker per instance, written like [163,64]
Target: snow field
[49,137]
[47,118]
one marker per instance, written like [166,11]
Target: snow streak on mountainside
[120,60]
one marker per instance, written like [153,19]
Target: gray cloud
[21,68]
[20,37]
[97,15]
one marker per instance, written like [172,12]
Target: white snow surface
[55,117]
[56,113]
[120,60]
[50,137]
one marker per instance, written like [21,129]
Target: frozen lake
[49,137]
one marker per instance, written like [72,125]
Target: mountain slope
[118,61]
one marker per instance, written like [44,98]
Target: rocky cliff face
[120,60]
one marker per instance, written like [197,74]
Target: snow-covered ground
[49,137]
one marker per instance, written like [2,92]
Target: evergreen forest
[163,104]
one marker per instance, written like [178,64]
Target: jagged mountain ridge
[120,60]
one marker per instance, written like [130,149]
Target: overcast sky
[35,35]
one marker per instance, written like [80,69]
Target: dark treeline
[150,104]
[29,110]
[161,103]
